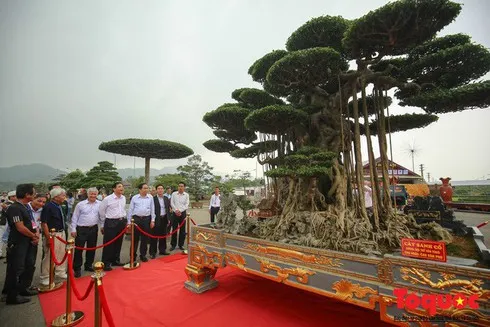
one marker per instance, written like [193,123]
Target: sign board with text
[422,249]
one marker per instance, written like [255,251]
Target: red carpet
[154,295]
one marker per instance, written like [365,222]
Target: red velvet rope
[105,306]
[95,247]
[53,255]
[193,221]
[72,280]
[164,236]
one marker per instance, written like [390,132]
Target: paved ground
[30,314]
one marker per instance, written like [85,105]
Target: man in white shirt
[179,203]
[85,228]
[214,204]
[142,210]
[368,197]
[112,211]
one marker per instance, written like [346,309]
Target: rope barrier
[73,286]
[193,222]
[105,306]
[95,247]
[53,255]
[164,236]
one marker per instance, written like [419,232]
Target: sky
[74,74]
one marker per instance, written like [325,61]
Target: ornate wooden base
[366,281]
[200,279]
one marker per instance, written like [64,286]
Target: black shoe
[89,269]
[18,300]
[181,248]
[78,274]
[172,248]
[143,259]
[164,253]
[29,292]
[118,264]
[107,268]
[153,256]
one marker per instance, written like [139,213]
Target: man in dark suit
[162,210]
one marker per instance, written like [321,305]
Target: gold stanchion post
[97,277]
[69,318]
[187,232]
[52,285]
[132,265]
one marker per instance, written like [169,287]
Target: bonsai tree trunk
[357,150]
[372,163]
[383,151]
[147,170]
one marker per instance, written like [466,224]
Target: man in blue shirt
[52,217]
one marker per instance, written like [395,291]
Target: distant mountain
[32,173]
[127,172]
[29,173]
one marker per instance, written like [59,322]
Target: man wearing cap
[4,227]
[52,217]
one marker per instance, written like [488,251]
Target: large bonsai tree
[325,94]
[147,149]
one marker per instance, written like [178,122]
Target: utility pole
[422,170]
[428,177]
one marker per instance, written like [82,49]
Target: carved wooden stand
[366,281]
[200,279]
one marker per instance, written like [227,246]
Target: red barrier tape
[483,224]
[164,236]
[73,285]
[95,247]
[105,306]
[53,255]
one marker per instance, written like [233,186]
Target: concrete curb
[482,248]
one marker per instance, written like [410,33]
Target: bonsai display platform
[366,281]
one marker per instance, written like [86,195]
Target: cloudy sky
[76,73]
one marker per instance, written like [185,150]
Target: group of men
[30,218]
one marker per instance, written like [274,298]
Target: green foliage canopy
[400,123]
[219,146]
[73,180]
[397,26]
[303,70]
[324,31]
[198,175]
[103,175]
[158,149]
[276,118]
[471,96]
[261,66]
[169,180]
